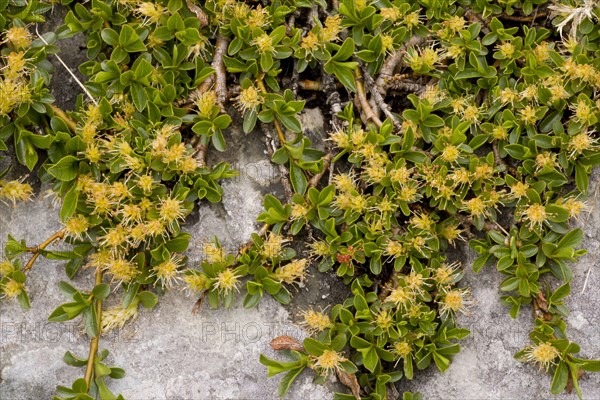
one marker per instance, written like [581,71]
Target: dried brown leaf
[350,381]
[199,302]
[201,15]
[286,343]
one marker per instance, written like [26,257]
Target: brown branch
[307,84]
[199,302]
[200,149]
[499,161]
[219,66]
[36,250]
[379,99]
[262,232]
[219,78]
[488,226]
[364,103]
[392,61]
[472,16]
[397,82]
[89,369]
[200,14]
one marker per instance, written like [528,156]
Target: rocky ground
[171,353]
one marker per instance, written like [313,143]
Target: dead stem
[392,61]
[36,250]
[262,232]
[369,114]
[379,100]
[219,79]
[488,226]
[200,14]
[476,18]
[200,149]
[219,66]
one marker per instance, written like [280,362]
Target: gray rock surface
[167,352]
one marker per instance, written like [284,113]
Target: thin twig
[94,342]
[397,82]
[219,66]
[392,61]
[200,14]
[262,232]
[219,78]
[81,85]
[472,16]
[379,99]
[364,103]
[37,250]
[200,148]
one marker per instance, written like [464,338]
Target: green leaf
[345,51]
[346,77]
[560,293]
[130,40]
[110,36]
[222,121]
[559,381]
[179,243]
[572,239]
[103,391]
[287,380]
[23,299]
[147,299]
[139,96]
[290,122]
[66,169]
[298,179]
[69,204]
[101,291]
[73,361]
[314,347]
[370,359]
[480,262]
[249,121]
[26,153]
[218,141]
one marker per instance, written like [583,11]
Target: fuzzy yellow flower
[293,272]
[15,191]
[227,281]
[316,321]
[543,354]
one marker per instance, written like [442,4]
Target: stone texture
[167,352]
